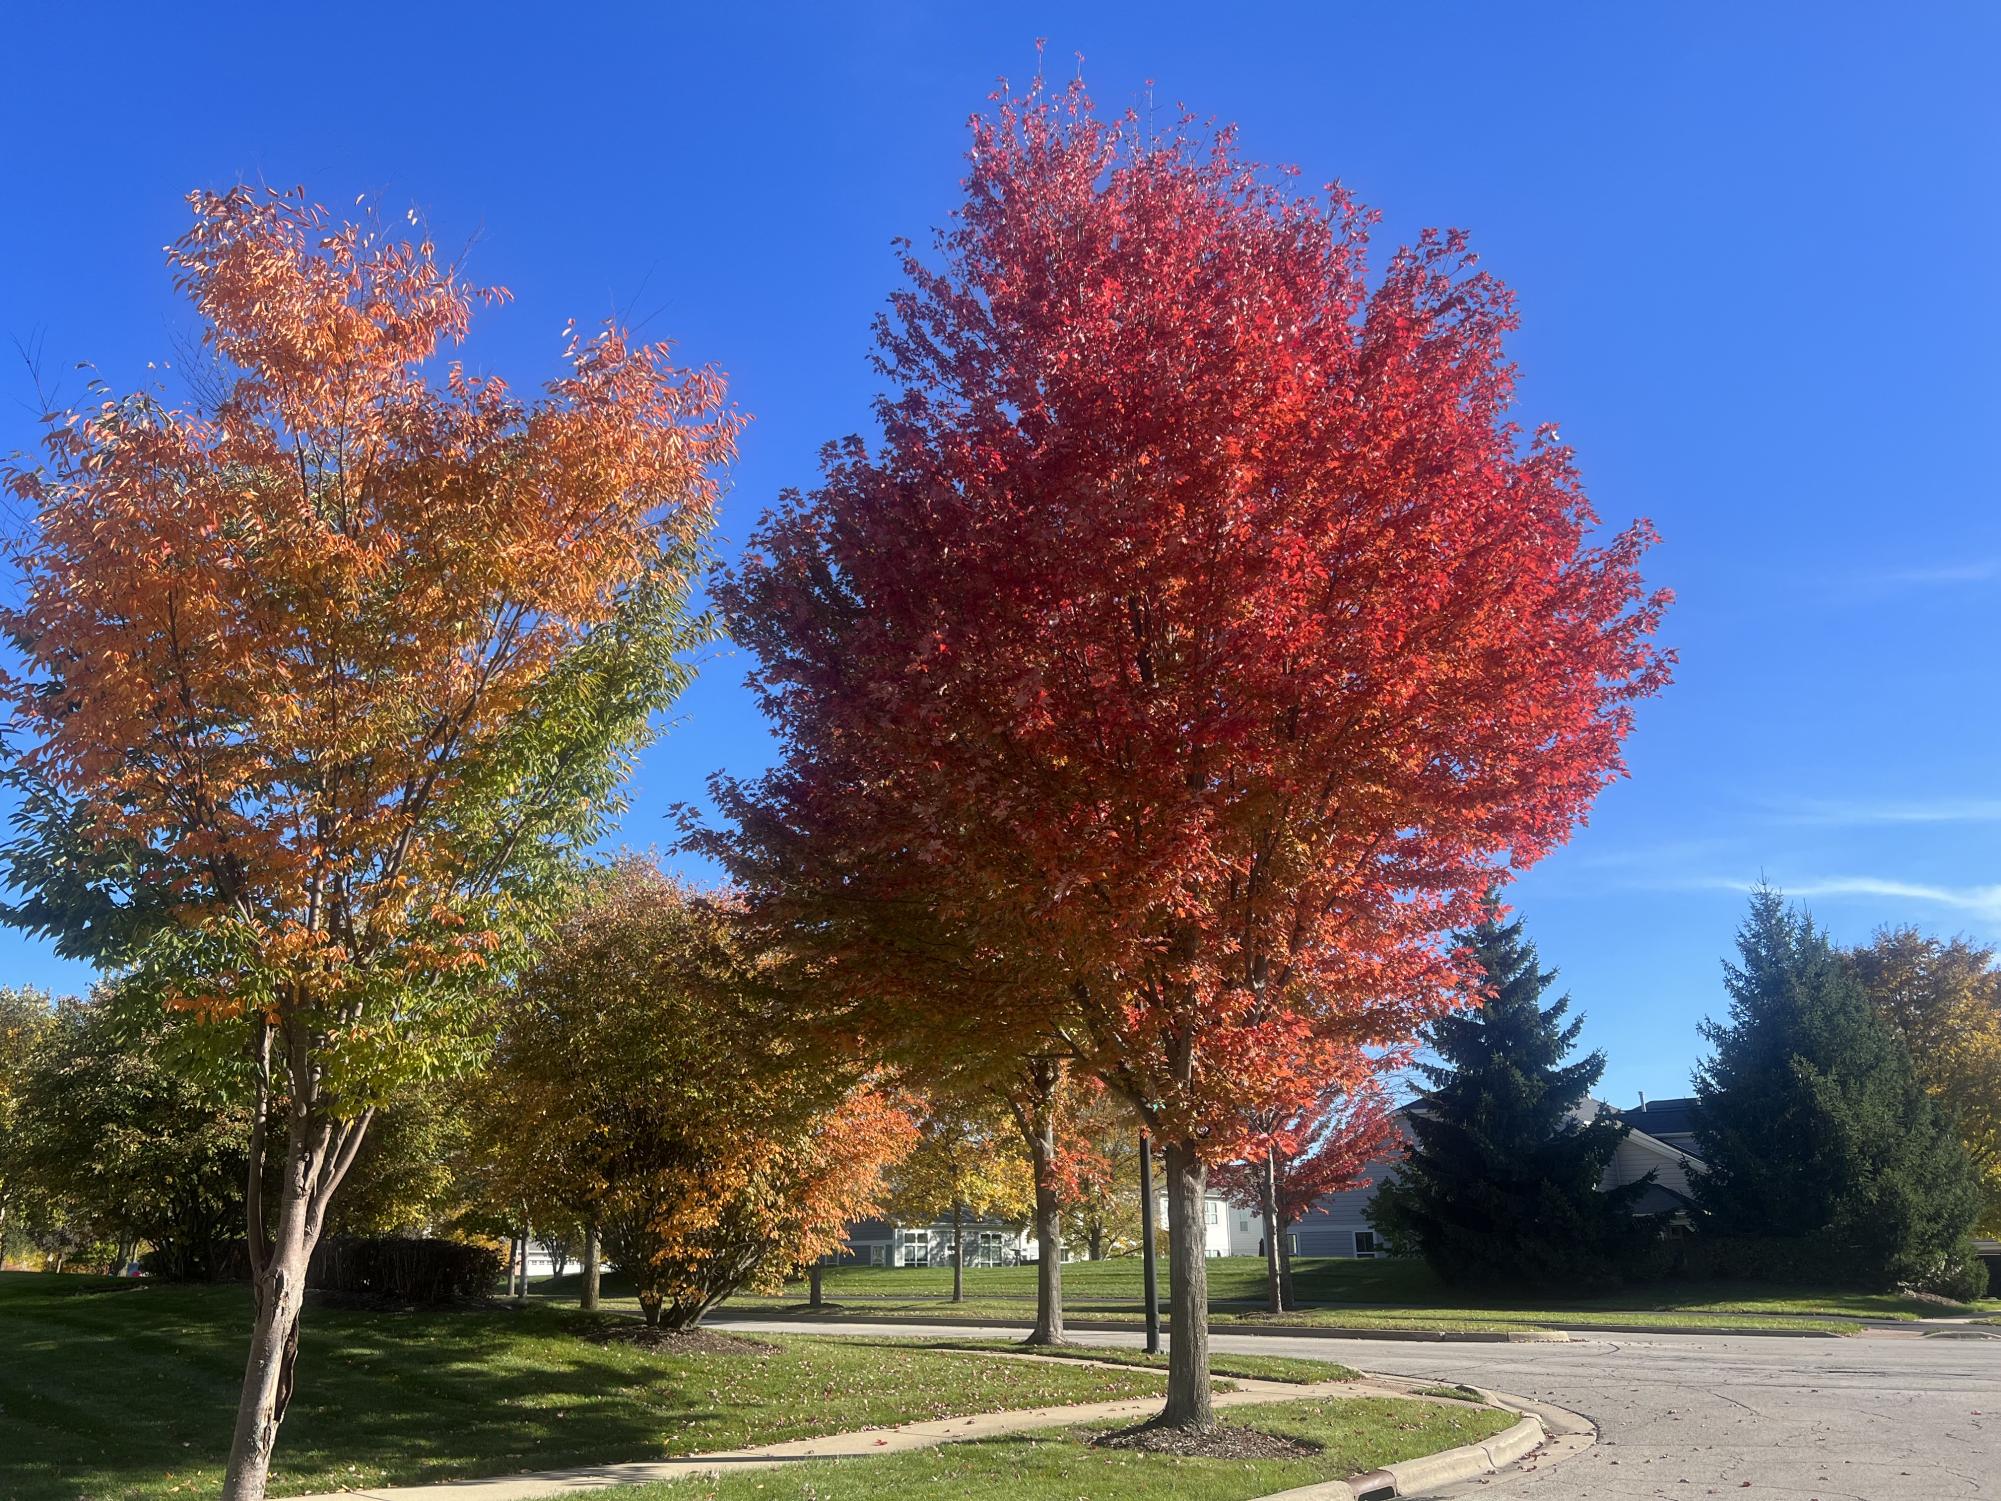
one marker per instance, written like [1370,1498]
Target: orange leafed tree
[650,1077]
[329,669]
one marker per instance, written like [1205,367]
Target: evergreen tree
[1502,1181]
[1813,1121]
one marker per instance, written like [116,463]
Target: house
[884,1242]
[1661,1141]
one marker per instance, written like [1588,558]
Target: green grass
[1475,1320]
[1387,1293]
[1453,1393]
[1221,1363]
[1356,1434]
[125,1391]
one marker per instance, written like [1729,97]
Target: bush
[404,1269]
[1960,1274]
[1795,1260]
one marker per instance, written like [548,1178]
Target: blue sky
[1752,246]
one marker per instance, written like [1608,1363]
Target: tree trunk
[958,1252]
[1048,1227]
[319,1149]
[1096,1242]
[813,1285]
[1285,1293]
[274,1348]
[593,1254]
[1189,1402]
[1268,1204]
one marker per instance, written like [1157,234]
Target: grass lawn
[1221,1363]
[1386,1293]
[114,1390]
[1355,1434]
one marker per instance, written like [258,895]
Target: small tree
[1944,999]
[646,1078]
[1501,1183]
[24,1016]
[1813,1122]
[1101,1171]
[966,1164]
[128,1143]
[1299,1158]
[327,679]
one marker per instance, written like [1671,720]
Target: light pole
[1147,1266]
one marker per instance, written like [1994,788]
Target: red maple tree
[1198,645]
[1295,1158]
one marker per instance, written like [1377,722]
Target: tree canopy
[1200,636]
[325,676]
[647,1079]
[1812,1119]
[1502,1181]
[1944,999]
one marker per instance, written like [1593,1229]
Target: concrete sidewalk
[857,1445]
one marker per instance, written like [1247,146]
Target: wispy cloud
[1980,902]
[1973,571]
[1832,812]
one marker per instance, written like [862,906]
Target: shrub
[1960,1274]
[404,1269]
[1799,1260]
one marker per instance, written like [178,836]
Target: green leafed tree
[968,1164]
[1502,1182]
[24,1016]
[1944,999]
[109,1133]
[1813,1121]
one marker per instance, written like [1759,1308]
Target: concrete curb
[725,1315]
[1557,1433]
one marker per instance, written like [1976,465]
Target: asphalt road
[1877,1418]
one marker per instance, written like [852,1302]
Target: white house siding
[1637,1157]
[1331,1227]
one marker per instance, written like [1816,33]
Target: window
[915,1247]
[1365,1244]
[992,1249]
[1243,1222]
[875,1254]
[1214,1217]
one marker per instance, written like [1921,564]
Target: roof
[1662,1117]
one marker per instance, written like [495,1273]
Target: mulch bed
[677,1341]
[1223,1441]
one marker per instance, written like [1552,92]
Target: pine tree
[1502,1181]
[1812,1119]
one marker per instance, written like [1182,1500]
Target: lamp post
[1147,1264]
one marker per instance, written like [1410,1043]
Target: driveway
[1895,1417]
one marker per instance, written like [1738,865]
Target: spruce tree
[1813,1122]
[1501,1185]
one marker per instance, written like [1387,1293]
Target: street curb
[1112,1326]
[1535,1336]
[1555,1431]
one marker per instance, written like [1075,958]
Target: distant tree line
[1847,1119]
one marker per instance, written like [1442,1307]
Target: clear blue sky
[1753,247]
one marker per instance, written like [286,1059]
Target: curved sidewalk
[1466,1461]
